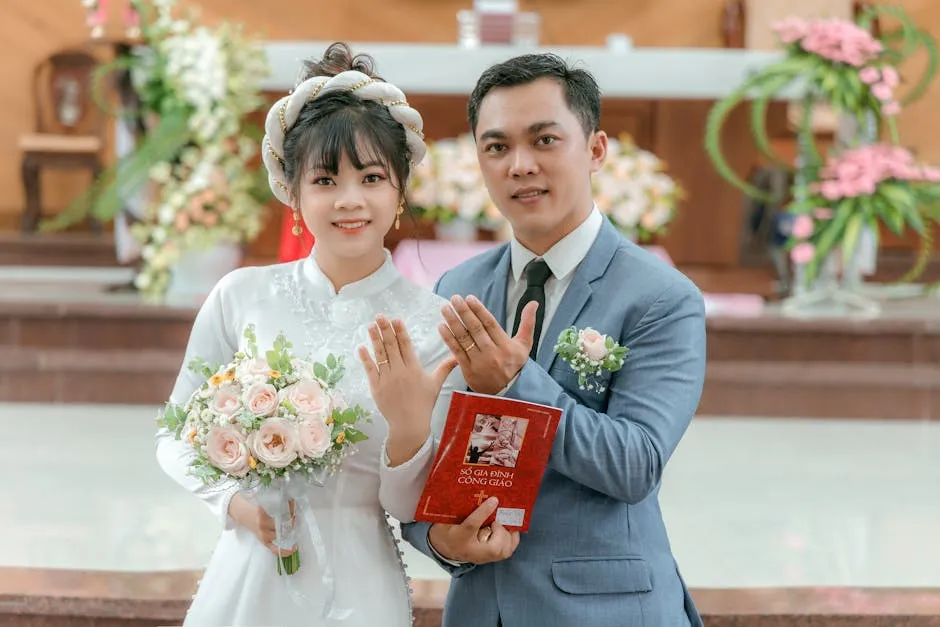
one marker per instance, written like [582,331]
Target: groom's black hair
[581,90]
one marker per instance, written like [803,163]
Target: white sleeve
[212,339]
[400,487]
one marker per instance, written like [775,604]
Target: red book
[491,446]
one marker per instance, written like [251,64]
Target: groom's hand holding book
[473,542]
[489,360]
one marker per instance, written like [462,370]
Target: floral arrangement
[634,191]
[844,65]
[590,353]
[196,87]
[262,419]
[875,183]
[448,184]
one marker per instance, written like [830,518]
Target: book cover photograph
[490,446]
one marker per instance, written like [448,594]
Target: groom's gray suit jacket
[596,553]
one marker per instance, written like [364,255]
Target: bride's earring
[401,210]
[297,230]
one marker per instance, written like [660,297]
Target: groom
[597,552]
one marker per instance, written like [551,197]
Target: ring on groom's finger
[484,534]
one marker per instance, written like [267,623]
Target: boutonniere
[590,353]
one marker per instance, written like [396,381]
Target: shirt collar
[563,257]
[375,283]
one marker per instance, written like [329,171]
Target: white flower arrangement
[633,190]
[448,184]
[209,193]
[196,88]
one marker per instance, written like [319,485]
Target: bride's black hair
[340,123]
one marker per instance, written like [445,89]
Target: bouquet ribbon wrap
[275,500]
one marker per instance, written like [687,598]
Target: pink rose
[790,30]
[891,109]
[831,190]
[890,76]
[802,253]
[802,227]
[181,222]
[225,400]
[870,75]
[593,344]
[227,450]
[307,397]
[261,399]
[882,91]
[253,370]
[314,438]
[274,443]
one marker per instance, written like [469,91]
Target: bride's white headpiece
[285,111]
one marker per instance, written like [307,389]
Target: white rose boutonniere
[590,353]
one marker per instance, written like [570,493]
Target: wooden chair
[69,131]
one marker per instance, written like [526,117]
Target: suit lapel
[579,292]
[494,294]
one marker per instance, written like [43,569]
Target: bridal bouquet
[268,420]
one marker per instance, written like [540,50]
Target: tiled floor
[748,502]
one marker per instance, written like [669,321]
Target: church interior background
[806,490]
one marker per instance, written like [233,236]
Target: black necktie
[536,273]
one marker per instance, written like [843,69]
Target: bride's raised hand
[403,391]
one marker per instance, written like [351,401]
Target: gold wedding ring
[466,349]
[381,363]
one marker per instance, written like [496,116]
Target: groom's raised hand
[488,357]
[471,541]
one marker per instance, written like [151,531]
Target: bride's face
[350,212]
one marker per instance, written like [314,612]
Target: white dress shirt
[563,259]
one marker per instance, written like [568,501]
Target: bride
[338,151]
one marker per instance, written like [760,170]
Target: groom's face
[537,161]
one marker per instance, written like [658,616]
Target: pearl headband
[283,115]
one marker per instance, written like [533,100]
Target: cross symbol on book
[481,496]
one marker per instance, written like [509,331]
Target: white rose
[314,438]
[593,344]
[261,399]
[274,443]
[308,398]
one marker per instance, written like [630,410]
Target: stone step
[63,375]
[57,249]
[908,334]
[733,388]
[74,598]
[102,326]
[822,390]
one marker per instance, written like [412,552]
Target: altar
[660,96]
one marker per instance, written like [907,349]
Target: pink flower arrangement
[837,40]
[856,173]
[859,171]
[845,42]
